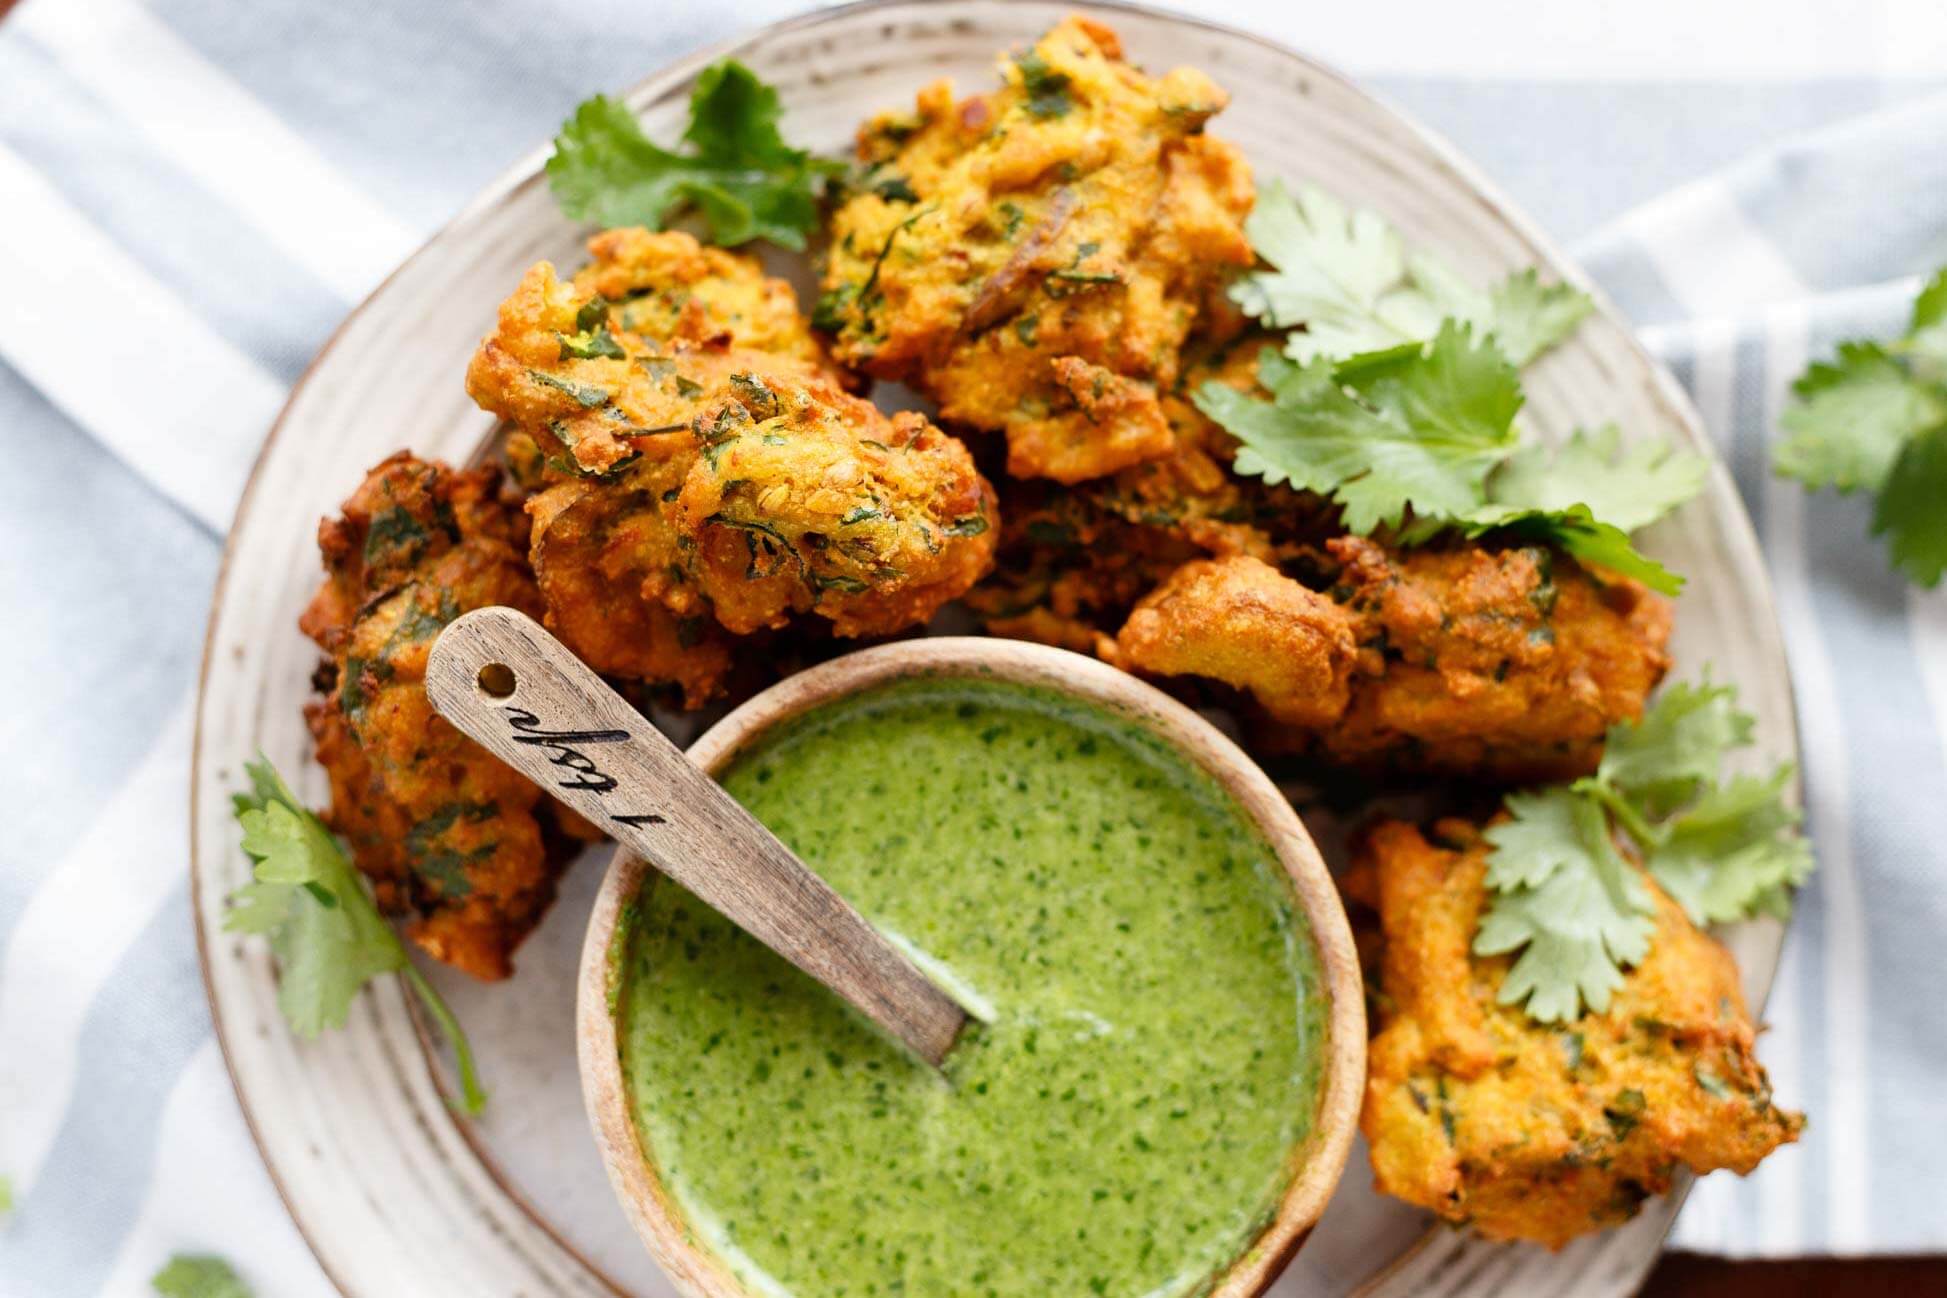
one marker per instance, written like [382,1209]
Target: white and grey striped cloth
[192,193]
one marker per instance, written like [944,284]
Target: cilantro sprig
[1874,418]
[1346,281]
[1568,898]
[1399,398]
[327,933]
[739,174]
[1430,431]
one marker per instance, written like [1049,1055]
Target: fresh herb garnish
[327,934]
[739,174]
[1346,280]
[1576,908]
[1430,430]
[198,1275]
[1875,417]
[1421,432]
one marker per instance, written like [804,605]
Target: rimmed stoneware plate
[395,1193]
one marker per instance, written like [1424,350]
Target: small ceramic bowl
[699,1273]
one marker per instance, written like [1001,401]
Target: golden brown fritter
[1491,663]
[446,832]
[1242,621]
[609,564]
[705,487]
[816,502]
[1498,664]
[661,285]
[1544,1132]
[1074,561]
[1035,258]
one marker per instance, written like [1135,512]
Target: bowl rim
[651,1209]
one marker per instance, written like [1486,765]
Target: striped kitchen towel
[193,194]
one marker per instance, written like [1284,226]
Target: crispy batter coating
[705,487]
[1502,664]
[1545,1132]
[1496,664]
[446,832]
[1074,561]
[661,285]
[1240,620]
[609,564]
[1035,258]
[817,502]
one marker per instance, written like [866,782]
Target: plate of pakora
[1083,324]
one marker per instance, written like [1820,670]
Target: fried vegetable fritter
[1493,663]
[1034,258]
[1499,664]
[1544,1132]
[1074,561]
[702,488]
[446,832]
[1242,621]
[660,285]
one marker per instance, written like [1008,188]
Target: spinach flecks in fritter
[395,529]
[1046,88]
[586,395]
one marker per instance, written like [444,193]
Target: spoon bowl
[1317,1163]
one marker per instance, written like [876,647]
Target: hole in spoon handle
[499,677]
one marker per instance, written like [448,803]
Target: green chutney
[1127,1113]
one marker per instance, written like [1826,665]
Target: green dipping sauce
[1129,1111]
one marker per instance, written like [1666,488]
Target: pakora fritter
[1075,561]
[1240,620]
[1544,1132]
[1504,663]
[1034,258]
[704,488]
[1493,663]
[446,832]
[663,284]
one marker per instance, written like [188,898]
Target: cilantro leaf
[1875,417]
[1407,428]
[1346,279]
[327,934]
[1661,762]
[1577,909]
[1628,487]
[1912,509]
[1568,900]
[1732,855]
[198,1275]
[1855,412]
[1926,331]
[1578,533]
[1528,317]
[740,175]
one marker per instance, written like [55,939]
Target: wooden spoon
[504,681]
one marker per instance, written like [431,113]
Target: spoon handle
[512,687]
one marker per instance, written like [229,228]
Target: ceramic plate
[398,1195]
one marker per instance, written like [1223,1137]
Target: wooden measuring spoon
[512,687]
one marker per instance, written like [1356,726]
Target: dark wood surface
[1686,1275]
